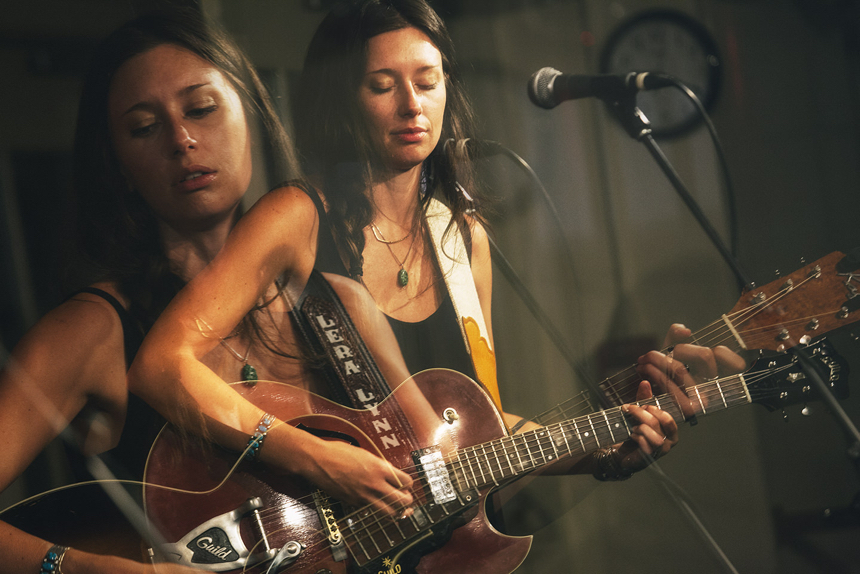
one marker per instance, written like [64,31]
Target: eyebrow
[391,72]
[147,105]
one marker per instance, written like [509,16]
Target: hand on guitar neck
[685,365]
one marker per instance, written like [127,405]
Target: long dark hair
[118,231]
[330,130]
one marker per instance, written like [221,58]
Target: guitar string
[723,391]
[723,334]
[756,310]
[377,526]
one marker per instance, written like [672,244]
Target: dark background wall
[787,114]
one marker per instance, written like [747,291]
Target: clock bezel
[700,34]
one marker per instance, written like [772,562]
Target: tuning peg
[784,415]
[803,260]
[778,274]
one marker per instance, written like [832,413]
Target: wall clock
[670,42]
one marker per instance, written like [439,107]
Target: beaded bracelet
[256,441]
[607,466]
[53,560]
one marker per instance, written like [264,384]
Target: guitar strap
[347,367]
[453,257]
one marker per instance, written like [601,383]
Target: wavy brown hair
[118,231]
[330,129]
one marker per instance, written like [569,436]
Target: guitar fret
[360,545]
[566,444]
[537,437]
[579,435]
[722,396]
[609,426]
[552,443]
[480,468]
[597,442]
[528,450]
[744,385]
[507,458]
[657,402]
[490,462]
[471,468]
[701,404]
[517,452]
[372,539]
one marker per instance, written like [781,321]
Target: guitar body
[288,512]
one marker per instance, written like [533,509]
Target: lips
[410,135]
[196,177]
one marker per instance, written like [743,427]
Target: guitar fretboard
[494,462]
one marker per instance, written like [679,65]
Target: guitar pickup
[432,464]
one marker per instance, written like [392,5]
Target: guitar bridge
[217,544]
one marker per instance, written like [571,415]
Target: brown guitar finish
[474,547]
[786,312]
[808,302]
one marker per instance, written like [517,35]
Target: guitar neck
[494,462]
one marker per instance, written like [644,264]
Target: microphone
[548,87]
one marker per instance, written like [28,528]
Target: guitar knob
[450,415]
[805,411]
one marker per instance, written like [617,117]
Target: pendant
[249,373]
[402,277]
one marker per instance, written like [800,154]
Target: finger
[643,392]
[701,360]
[678,333]
[728,362]
[399,479]
[657,431]
[663,372]
[393,504]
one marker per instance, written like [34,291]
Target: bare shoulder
[480,239]
[88,315]
[289,201]
[77,345]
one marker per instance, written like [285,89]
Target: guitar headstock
[813,300]
[781,380]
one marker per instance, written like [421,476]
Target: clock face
[672,43]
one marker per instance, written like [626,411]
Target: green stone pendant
[402,277]
[249,373]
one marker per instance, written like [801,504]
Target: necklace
[377,234]
[249,373]
[402,275]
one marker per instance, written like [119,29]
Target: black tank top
[435,342]
[142,422]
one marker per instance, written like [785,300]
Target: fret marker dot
[586,434]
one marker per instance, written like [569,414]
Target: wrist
[607,465]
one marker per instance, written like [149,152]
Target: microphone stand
[639,128]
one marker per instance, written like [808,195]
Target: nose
[181,140]
[410,105]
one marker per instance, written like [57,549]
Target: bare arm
[74,355]
[276,238]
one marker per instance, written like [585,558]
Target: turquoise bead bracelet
[53,560]
[256,440]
